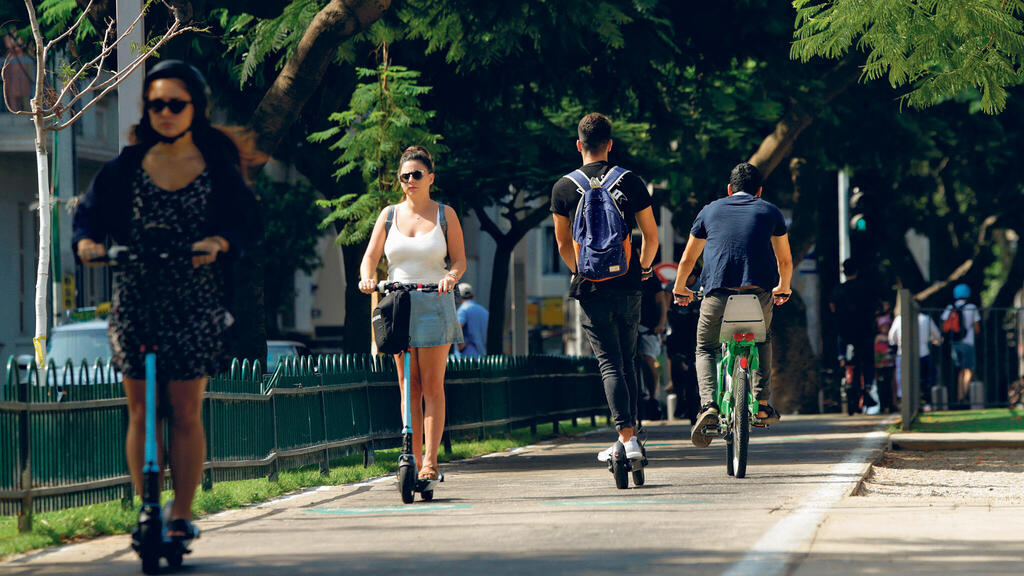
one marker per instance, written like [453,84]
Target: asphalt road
[546,509]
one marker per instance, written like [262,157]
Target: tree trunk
[776,146]
[1014,281]
[357,304]
[43,186]
[499,290]
[302,73]
[794,370]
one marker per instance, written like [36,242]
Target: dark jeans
[610,321]
[708,329]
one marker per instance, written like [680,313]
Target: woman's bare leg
[188,442]
[135,441]
[432,362]
[416,395]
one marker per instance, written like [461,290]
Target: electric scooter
[149,538]
[408,482]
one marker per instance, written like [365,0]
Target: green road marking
[624,502]
[389,509]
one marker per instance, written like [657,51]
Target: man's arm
[694,246]
[563,236]
[649,231]
[784,260]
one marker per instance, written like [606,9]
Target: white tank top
[416,258]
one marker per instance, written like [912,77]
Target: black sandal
[771,415]
[186,527]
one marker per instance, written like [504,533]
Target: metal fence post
[272,476]
[325,456]
[910,359]
[207,482]
[25,455]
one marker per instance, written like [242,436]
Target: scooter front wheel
[638,477]
[150,541]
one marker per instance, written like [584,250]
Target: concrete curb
[874,457]
[932,444]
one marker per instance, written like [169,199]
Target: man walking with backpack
[960,322]
[595,209]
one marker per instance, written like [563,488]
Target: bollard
[671,401]
[977,395]
[940,397]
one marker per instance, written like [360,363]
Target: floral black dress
[168,304]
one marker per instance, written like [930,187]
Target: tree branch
[120,76]
[965,269]
[336,22]
[69,31]
[486,223]
[7,104]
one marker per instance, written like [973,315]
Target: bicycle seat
[743,315]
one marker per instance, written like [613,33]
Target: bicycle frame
[734,353]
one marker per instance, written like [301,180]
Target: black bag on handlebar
[391,322]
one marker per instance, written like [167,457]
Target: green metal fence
[62,429]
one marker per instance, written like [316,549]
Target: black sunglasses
[410,176]
[175,105]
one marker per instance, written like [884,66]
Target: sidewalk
[956,441]
[937,503]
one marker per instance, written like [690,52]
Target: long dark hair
[218,149]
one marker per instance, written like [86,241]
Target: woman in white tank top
[423,242]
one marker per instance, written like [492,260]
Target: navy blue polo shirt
[738,230]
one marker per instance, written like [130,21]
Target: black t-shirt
[565,197]
[649,312]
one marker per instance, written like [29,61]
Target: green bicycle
[743,327]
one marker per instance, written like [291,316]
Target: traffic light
[858,208]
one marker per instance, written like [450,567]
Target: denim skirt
[433,320]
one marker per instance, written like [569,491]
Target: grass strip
[989,420]
[75,524]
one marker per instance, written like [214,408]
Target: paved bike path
[550,508]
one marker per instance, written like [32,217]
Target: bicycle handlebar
[385,287]
[120,255]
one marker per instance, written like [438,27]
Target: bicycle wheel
[740,422]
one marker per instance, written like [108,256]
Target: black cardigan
[105,210]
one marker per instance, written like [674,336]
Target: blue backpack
[600,235]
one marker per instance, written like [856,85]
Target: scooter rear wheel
[638,478]
[427,495]
[407,483]
[175,556]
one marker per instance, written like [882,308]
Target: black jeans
[610,321]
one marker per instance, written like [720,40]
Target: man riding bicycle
[746,251]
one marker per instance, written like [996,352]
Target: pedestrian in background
[473,319]
[853,313]
[960,322]
[654,303]
[681,349]
[925,326]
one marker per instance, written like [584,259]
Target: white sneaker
[632,451]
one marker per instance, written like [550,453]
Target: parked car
[79,341]
[278,349]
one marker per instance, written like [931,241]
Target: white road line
[771,554]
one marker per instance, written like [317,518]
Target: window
[552,259]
